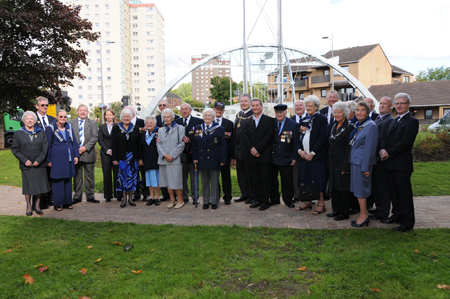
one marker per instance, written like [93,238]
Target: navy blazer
[229,132]
[189,129]
[285,143]
[364,147]
[399,142]
[260,138]
[209,150]
[38,122]
[149,152]
[318,138]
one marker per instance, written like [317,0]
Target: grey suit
[87,159]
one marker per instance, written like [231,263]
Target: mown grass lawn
[218,262]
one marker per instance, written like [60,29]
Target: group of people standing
[363,157]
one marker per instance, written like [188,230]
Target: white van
[444,122]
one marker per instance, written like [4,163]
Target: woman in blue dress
[63,154]
[126,154]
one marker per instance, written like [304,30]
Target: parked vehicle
[444,122]
[12,122]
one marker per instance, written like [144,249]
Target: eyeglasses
[44,105]
[162,105]
[400,103]
[62,116]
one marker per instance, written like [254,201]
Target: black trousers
[225,174]
[380,191]
[341,201]
[287,189]
[109,177]
[243,176]
[146,192]
[354,204]
[260,181]
[400,192]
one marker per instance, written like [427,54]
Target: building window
[106,6]
[149,9]
[149,17]
[89,78]
[135,57]
[301,95]
[151,90]
[108,78]
[135,34]
[134,17]
[429,114]
[135,41]
[96,16]
[135,65]
[326,72]
[323,93]
[136,73]
[135,25]
[107,16]
[405,79]
[135,50]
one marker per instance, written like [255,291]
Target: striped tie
[80,128]
[45,123]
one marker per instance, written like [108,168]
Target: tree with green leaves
[194,103]
[39,50]
[221,90]
[117,108]
[434,74]
[184,91]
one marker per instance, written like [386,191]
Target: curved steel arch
[352,80]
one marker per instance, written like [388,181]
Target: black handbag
[327,191]
[309,192]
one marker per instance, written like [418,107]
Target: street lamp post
[332,55]
[101,74]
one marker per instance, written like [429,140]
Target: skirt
[171,176]
[318,173]
[152,178]
[128,174]
[360,185]
[35,181]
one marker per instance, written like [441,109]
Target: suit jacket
[38,122]
[338,156]
[374,115]
[260,138]
[399,142]
[365,146]
[209,150]
[294,118]
[149,152]
[160,123]
[324,111]
[140,123]
[104,139]
[241,151]
[24,149]
[383,127]
[90,138]
[285,143]
[317,139]
[229,138]
[189,130]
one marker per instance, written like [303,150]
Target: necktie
[185,122]
[279,127]
[218,121]
[44,122]
[207,127]
[397,120]
[80,128]
[378,118]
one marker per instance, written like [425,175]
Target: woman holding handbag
[313,154]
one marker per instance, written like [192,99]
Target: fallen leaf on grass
[375,290]
[136,272]
[111,230]
[6,178]
[152,250]
[43,269]
[301,269]
[308,292]
[250,285]
[443,286]
[97,260]
[416,251]
[201,282]
[84,297]
[381,263]
[83,271]
[9,250]
[434,253]
[89,247]
[436,261]
[117,243]
[322,270]
[40,265]
[28,279]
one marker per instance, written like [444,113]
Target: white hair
[125,111]
[312,99]
[26,113]
[213,113]
[168,111]
[341,106]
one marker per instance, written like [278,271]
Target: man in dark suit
[189,122]
[396,153]
[373,114]
[225,172]
[241,153]
[259,134]
[332,98]
[159,123]
[300,115]
[285,141]
[380,193]
[86,134]
[43,120]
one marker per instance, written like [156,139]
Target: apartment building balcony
[320,79]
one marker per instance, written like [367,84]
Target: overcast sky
[414,34]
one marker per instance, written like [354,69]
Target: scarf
[309,120]
[34,132]
[170,129]
[58,134]
[125,131]
[209,131]
[149,135]
[358,127]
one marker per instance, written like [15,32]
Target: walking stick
[196,185]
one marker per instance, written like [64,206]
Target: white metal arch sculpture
[351,79]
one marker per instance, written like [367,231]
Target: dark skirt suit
[338,155]
[209,147]
[126,150]
[110,171]
[62,150]
[32,146]
[362,159]
[315,169]
[149,153]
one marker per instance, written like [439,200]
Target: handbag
[309,192]
[327,191]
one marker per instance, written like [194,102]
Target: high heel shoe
[316,212]
[365,222]
[308,206]
[131,203]
[30,213]
[123,204]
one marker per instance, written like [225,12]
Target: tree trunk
[2,131]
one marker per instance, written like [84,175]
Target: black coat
[324,111]
[149,152]
[24,149]
[374,115]
[160,123]
[120,144]
[260,138]
[383,129]
[317,138]
[229,132]
[189,130]
[286,143]
[399,142]
[104,139]
[339,151]
[241,150]
[38,122]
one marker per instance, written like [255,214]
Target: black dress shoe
[249,201]
[29,213]
[402,228]
[213,206]
[186,200]
[227,201]
[290,205]
[372,211]
[123,204]
[242,198]
[375,217]
[75,201]
[341,217]
[150,202]
[334,214]
[93,200]
[387,220]
[119,199]
[131,203]
[295,199]
[205,206]
[354,211]
[108,200]
[264,207]
[145,198]
[255,204]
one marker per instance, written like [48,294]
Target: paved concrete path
[431,212]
